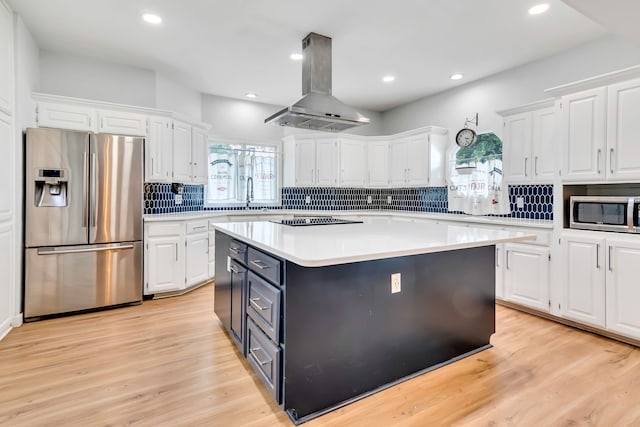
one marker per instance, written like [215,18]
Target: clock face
[465,137]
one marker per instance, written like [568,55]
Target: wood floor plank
[169,362]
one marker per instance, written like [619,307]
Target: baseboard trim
[570,323]
[181,292]
[18,320]
[5,328]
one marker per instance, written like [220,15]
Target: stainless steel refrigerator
[83,221]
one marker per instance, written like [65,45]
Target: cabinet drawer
[265,265]
[264,357]
[238,251]
[197,226]
[164,229]
[263,305]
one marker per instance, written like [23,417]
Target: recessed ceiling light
[388,79]
[456,76]
[296,56]
[151,18]
[250,95]
[539,8]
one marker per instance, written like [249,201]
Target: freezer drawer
[72,278]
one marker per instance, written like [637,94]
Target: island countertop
[323,245]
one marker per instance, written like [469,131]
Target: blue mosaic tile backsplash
[538,199]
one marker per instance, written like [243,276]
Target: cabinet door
[157,154]
[378,163]
[527,275]
[7,168]
[583,298]
[418,161]
[623,155]
[517,147]
[305,163]
[352,163]
[238,303]
[398,163]
[499,264]
[197,258]
[64,116]
[437,164]
[543,144]
[6,60]
[199,156]
[583,130]
[122,123]
[181,152]
[623,289]
[327,162]
[164,264]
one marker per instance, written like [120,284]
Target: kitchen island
[330,314]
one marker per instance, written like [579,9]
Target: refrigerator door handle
[94,189]
[53,251]
[85,189]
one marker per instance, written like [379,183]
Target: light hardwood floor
[168,362]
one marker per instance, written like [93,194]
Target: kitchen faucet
[249,190]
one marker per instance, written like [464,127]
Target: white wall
[27,68]
[173,96]
[81,77]
[511,88]
[241,119]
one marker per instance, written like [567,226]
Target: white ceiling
[230,47]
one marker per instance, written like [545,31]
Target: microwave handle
[630,205]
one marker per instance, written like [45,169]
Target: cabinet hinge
[36,113]
[558,307]
[549,303]
[549,260]
[559,240]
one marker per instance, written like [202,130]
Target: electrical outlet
[177,198]
[395,283]
[520,202]
[388,200]
[307,199]
[369,199]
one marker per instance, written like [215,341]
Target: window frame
[277,145]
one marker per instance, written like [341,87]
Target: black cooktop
[322,220]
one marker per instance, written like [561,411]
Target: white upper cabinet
[353,163]
[378,163]
[122,123]
[158,163]
[417,160]
[414,158]
[327,162]
[6,60]
[199,169]
[181,152]
[65,116]
[544,143]
[583,133]
[623,119]
[529,143]
[311,162]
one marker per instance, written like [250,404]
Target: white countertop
[489,220]
[376,238]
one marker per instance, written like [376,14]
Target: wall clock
[465,137]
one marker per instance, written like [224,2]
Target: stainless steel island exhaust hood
[318,109]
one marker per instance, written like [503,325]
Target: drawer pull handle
[257,359]
[260,264]
[256,305]
[200,227]
[236,251]
[235,270]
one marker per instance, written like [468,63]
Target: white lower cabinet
[526,275]
[164,260]
[499,264]
[601,281]
[176,256]
[623,286]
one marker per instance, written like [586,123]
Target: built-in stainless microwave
[605,213]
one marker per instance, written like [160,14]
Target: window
[240,171]
[475,178]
